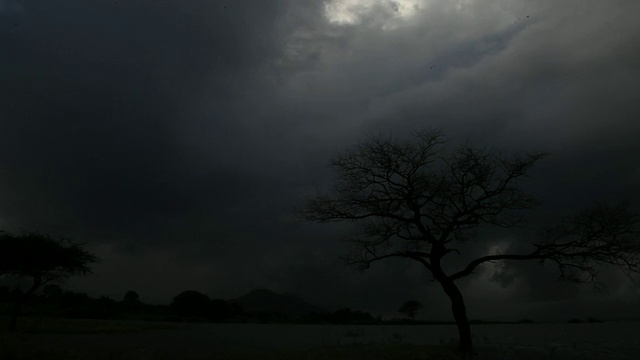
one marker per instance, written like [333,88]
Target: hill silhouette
[267,301]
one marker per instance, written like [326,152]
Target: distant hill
[267,301]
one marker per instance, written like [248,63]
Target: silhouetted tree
[417,201]
[5,293]
[410,308]
[41,258]
[131,299]
[191,303]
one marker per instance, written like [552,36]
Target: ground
[128,340]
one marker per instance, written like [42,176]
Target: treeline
[188,306]
[53,301]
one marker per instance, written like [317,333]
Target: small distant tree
[192,304]
[131,299]
[410,308]
[418,200]
[43,259]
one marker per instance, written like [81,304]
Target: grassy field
[128,340]
[70,326]
[14,350]
[48,339]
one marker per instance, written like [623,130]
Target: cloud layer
[177,138]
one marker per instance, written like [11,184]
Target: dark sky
[177,138]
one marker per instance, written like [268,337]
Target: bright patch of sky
[353,12]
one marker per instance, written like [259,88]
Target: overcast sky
[177,138]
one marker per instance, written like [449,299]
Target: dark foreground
[91,339]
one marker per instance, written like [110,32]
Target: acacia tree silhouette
[41,258]
[410,308]
[417,201]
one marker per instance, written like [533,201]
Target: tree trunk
[459,314]
[17,307]
[14,315]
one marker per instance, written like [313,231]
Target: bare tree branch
[413,192]
[600,236]
[468,270]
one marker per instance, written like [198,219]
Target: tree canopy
[43,259]
[410,308]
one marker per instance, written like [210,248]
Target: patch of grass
[358,352]
[20,347]
[33,341]
[70,326]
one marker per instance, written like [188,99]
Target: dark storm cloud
[145,129]
[94,96]
[177,137]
